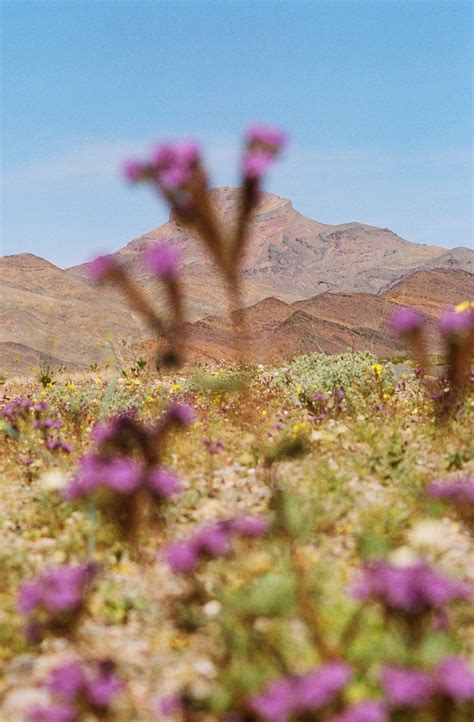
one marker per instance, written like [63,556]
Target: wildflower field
[238,543]
[292,559]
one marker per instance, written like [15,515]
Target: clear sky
[377,97]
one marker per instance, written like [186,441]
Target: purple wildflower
[213,540]
[52,713]
[407,687]
[214,447]
[456,324]
[294,695]
[120,474]
[164,260]
[182,414]
[182,557]
[60,589]
[249,526]
[256,164]
[104,686]
[68,680]
[133,171]
[170,705]
[413,589]
[405,321]
[277,702]
[271,139]
[455,679]
[461,490]
[369,711]
[173,165]
[101,267]
[123,475]
[163,482]
[319,687]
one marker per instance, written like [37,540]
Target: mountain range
[307,286]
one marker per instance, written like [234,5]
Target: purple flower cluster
[122,475]
[101,268]
[17,408]
[212,541]
[414,688]
[58,594]
[171,169]
[78,687]
[294,695]
[457,491]
[367,711]
[405,321]
[413,589]
[264,143]
[164,260]
[53,444]
[321,405]
[213,447]
[455,324]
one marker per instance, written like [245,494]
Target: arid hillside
[56,316]
[332,322]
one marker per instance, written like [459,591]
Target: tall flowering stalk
[176,171]
[124,473]
[456,326]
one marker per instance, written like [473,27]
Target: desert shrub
[348,373]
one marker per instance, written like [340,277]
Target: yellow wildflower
[464,306]
[377,369]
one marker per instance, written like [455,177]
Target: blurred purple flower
[460,490]
[368,711]
[256,164]
[101,267]
[267,136]
[407,687]
[295,695]
[182,414]
[60,589]
[249,526]
[67,680]
[104,686]
[164,260]
[277,702]
[133,171]
[319,687]
[456,324]
[169,706]
[405,321]
[455,679]
[182,557]
[213,540]
[52,713]
[163,482]
[412,589]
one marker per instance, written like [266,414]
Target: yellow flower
[464,306]
[377,369]
[298,388]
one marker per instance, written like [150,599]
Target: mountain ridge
[291,258]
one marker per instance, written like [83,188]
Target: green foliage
[350,372]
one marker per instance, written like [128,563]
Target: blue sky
[377,97]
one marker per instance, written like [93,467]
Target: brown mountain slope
[332,322]
[50,316]
[290,256]
[57,314]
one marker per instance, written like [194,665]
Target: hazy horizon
[375,96]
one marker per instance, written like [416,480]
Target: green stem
[91,511]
